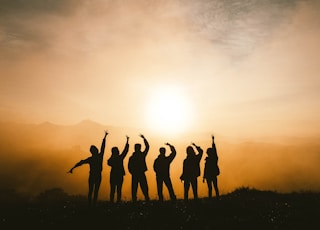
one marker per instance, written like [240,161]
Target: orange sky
[170,68]
[251,66]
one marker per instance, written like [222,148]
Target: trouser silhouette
[139,179]
[214,182]
[167,181]
[116,185]
[194,184]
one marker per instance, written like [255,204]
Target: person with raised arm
[211,170]
[161,166]
[117,171]
[95,163]
[137,167]
[191,170]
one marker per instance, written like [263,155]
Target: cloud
[20,26]
[239,26]
[236,26]
[86,57]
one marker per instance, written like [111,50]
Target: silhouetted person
[191,171]
[117,170]
[211,169]
[137,167]
[95,163]
[161,166]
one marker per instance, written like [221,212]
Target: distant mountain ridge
[48,134]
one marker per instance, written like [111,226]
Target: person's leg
[96,190]
[159,188]
[134,187]
[215,184]
[144,186]
[168,183]
[209,183]
[112,191]
[194,185]
[90,184]
[186,186]
[119,189]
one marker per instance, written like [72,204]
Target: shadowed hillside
[244,208]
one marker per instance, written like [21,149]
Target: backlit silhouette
[211,170]
[117,170]
[137,167]
[191,171]
[161,166]
[95,163]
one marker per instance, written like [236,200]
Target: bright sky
[236,67]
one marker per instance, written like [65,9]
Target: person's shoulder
[86,159]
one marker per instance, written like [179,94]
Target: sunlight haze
[176,71]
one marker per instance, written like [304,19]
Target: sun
[169,111]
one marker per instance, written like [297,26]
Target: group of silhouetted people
[137,167]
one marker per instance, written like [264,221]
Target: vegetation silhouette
[137,167]
[161,166]
[95,162]
[117,171]
[244,207]
[211,169]
[191,171]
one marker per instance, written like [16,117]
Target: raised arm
[214,149]
[146,143]
[213,144]
[173,152]
[103,144]
[126,149]
[199,149]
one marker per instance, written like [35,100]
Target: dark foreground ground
[242,209]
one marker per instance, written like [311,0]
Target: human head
[162,151]
[209,151]
[190,150]
[137,147]
[115,151]
[93,150]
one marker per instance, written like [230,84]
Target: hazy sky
[236,67]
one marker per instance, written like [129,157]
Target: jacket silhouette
[191,171]
[161,166]
[95,164]
[211,169]
[137,167]
[117,171]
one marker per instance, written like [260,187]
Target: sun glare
[169,111]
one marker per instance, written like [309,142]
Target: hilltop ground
[242,209]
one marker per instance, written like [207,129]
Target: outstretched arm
[126,149]
[77,165]
[146,143]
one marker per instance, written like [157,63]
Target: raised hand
[106,133]
[142,136]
